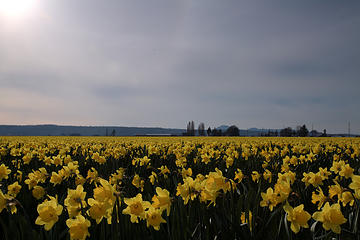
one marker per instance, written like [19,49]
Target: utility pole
[349,129]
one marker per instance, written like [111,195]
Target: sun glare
[16,8]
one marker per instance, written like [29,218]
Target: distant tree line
[300,131]
[190,130]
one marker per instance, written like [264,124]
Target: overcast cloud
[265,64]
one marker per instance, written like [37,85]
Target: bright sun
[16,8]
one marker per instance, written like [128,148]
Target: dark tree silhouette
[216,132]
[303,131]
[201,129]
[190,129]
[286,132]
[232,131]
[208,131]
[324,134]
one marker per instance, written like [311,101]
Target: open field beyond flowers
[179,188]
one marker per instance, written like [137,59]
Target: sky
[161,63]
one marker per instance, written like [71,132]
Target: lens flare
[16,8]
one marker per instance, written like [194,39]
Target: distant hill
[223,128]
[58,130]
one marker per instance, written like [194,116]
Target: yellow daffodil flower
[331,217]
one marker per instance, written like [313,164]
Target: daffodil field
[179,188]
